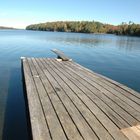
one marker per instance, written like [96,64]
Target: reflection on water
[117,57]
[3,96]
[128,43]
[76,39]
[15,117]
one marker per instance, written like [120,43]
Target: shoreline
[83,33]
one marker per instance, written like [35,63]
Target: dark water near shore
[117,57]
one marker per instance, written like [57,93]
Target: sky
[20,13]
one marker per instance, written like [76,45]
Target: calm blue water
[117,57]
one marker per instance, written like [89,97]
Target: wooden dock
[68,101]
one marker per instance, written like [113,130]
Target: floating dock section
[67,101]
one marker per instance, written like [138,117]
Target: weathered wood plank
[108,124]
[83,127]
[118,86]
[133,133]
[110,94]
[68,101]
[50,115]
[38,123]
[61,55]
[102,133]
[138,126]
[68,125]
[96,96]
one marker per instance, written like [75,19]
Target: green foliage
[131,29]
[88,27]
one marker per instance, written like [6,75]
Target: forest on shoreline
[124,28]
[2,27]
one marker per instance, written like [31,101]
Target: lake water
[117,57]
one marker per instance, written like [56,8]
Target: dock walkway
[68,101]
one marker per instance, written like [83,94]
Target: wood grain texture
[68,101]
[133,133]
[39,127]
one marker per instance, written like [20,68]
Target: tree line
[2,27]
[88,27]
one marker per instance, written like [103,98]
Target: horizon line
[24,27]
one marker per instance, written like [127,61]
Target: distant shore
[3,27]
[130,29]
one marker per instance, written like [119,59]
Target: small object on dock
[68,101]
[22,57]
[61,55]
[59,60]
